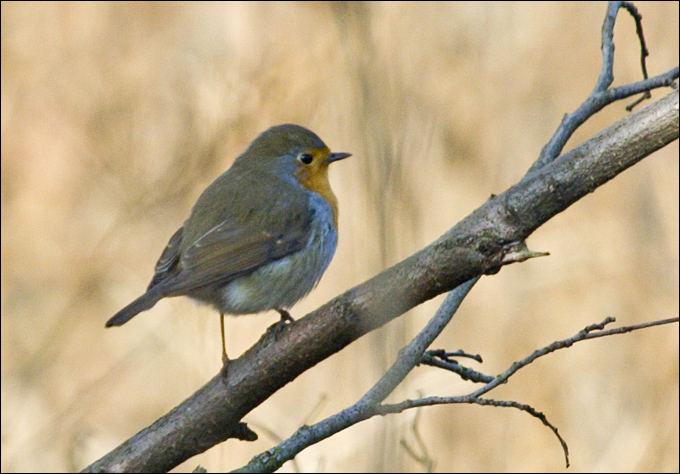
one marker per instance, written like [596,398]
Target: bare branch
[480,244]
[475,246]
[364,408]
[601,96]
[370,405]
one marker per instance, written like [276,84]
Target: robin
[259,237]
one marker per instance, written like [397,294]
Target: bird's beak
[337,157]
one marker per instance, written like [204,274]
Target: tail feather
[143,303]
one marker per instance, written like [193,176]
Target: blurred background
[115,116]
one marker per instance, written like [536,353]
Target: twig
[601,96]
[475,397]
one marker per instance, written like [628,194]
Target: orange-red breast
[259,237]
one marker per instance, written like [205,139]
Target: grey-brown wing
[227,251]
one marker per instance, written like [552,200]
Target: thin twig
[591,332]
[601,95]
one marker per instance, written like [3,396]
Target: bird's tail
[144,302]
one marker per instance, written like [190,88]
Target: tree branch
[475,246]
[489,238]
[370,405]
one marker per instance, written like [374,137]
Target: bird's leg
[285,319]
[285,316]
[225,357]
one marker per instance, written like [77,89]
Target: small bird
[259,237]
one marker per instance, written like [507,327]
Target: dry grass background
[115,116]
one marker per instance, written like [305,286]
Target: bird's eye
[305,158]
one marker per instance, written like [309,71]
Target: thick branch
[473,247]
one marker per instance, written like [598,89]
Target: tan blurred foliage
[115,116]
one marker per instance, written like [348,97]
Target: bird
[259,237]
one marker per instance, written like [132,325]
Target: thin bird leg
[285,316]
[225,358]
